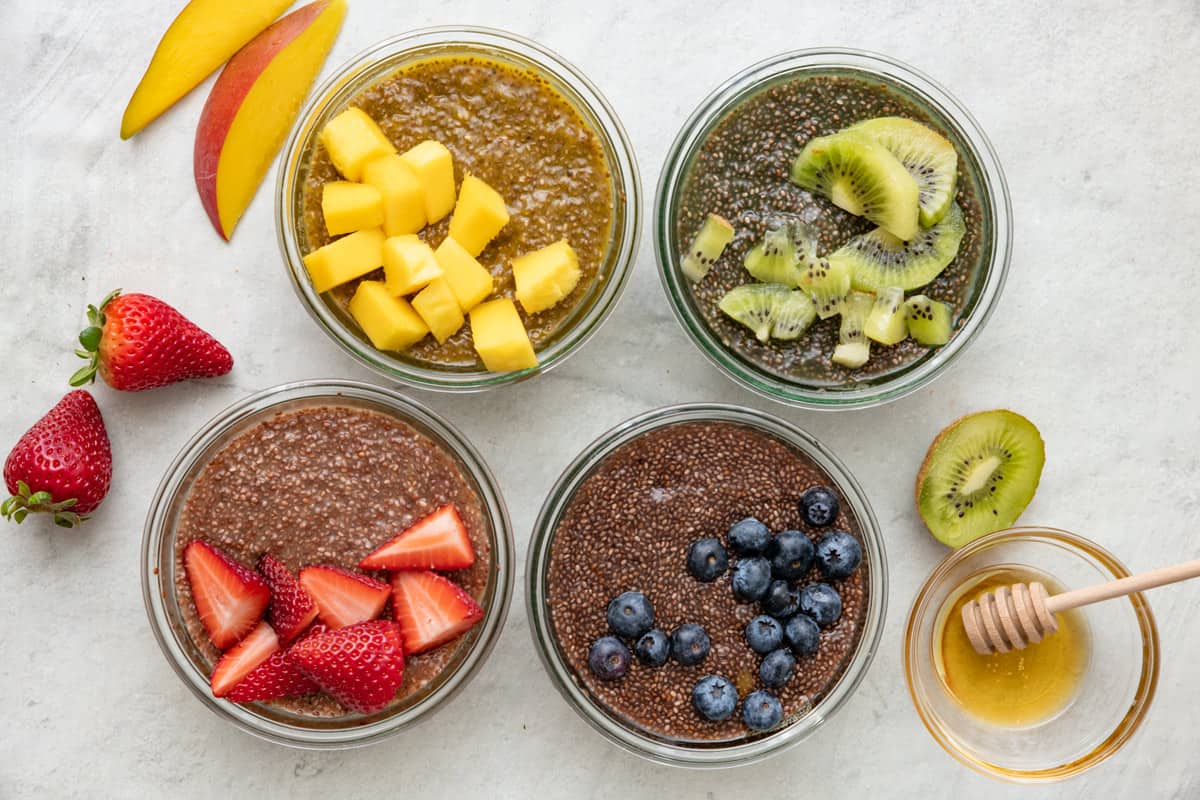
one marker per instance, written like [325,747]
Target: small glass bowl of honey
[1054,709]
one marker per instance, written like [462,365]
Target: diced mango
[403,199]
[408,264]
[546,276]
[500,337]
[438,306]
[435,168]
[468,279]
[352,139]
[479,215]
[350,207]
[345,259]
[389,322]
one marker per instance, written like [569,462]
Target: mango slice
[408,264]
[389,322]
[403,198]
[345,259]
[544,277]
[479,215]
[349,207]
[435,168]
[438,306]
[500,338]
[467,278]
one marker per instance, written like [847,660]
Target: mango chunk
[438,306]
[345,259]
[352,139]
[479,215]
[468,279]
[403,199]
[546,276]
[389,322]
[435,168]
[408,264]
[500,337]
[350,207]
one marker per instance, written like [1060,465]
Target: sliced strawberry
[361,665]
[229,598]
[240,661]
[344,597]
[436,541]
[431,610]
[276,677]
[291,609]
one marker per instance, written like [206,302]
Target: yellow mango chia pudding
[507,126]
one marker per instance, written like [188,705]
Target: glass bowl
[1115,691]
[386,57]
[977,159]
[158,567]
[675,752]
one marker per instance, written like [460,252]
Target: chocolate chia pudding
[741,171]
[628,527]
[327,484]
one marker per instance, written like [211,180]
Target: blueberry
[749,537]
[764,634]
[714,698]
[751,578]
[777,667]
[821,602]
[630,614]
[653,648]
[802,635]
[707,560]
[781,600]
[761,711]
[838,554]
[689,644]
[819,506]
[791,554]
[609,658]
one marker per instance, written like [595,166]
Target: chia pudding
[740,170]
[628,527]
[327,484]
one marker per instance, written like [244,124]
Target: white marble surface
[1092,108]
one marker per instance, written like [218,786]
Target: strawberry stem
[26,501]
[90,338]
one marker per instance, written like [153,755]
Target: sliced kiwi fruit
[887,323]
[753,305]
[877,259]
[828,284]
[794,313]
[853,348]
[774,259]
[929,321]
[926,154]
[706,247]
[979,475]
[863,178]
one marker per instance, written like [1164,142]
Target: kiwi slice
[773,260]
[828,284]
[979,475]
[863,178]
[706,247]
[926,154]
[887,323]
[853,347]
[793,315]
[753,305]
[877,259]
[929,321]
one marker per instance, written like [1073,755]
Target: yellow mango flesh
[479,215]
[544,277]
[500,338]
[350,207]
[345,259]
[403,199]
[438,306]
[352,139]
[467,278]
[389,322]
[203,37]
[408,264]
[434,166]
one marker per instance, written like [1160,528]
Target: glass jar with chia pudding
[668,518]
[739,157]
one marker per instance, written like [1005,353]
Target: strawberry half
[436,541]
[62,465]
[239,662]
[138,342]
[276,677]
[431,610]
[229,598]
[344,597]
[361,665]
[291,609]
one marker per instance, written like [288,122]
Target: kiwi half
[877,259]
[926,154]
[979,475]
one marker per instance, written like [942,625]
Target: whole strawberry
[62,465]
[139,342]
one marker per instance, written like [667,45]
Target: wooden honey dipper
[1021,614]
